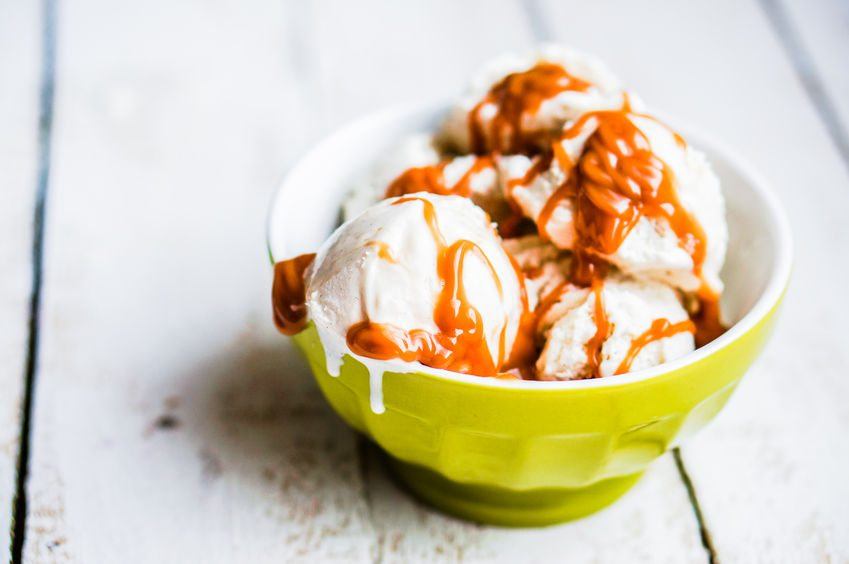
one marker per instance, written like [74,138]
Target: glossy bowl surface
[531,453]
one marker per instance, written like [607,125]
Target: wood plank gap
[45,128]
[536,21]
[803,64]
[704,533]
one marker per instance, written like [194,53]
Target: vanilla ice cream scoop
[619,325]
[516,102]
[630,189]
[414,165]
[419,278]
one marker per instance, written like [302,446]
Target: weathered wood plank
[769,472]
[20,62]
[171,422]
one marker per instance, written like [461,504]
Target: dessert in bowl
[522,307]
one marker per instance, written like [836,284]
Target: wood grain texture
[768,471]
[20,27]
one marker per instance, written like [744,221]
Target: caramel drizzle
[616,181]
[288,293]
[539,165]
[514,96]
[603,329]
[460,343]
[383,251]
[524,350]
[432,179]
[510,226]
[708,319]
[660,329]
[549,301]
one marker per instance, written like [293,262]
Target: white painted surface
[823,29]
[173,424]
[19,74]
[770,473]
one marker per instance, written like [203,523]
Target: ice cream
[641,323]
[516,102]
[416,166]
[617,325]
[630,190]
[551,229]
[422,278]
[545,267]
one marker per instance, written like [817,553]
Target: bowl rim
[770,297]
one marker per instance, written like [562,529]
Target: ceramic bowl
[523,453]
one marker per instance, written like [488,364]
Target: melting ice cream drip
[375,383]
[335,349]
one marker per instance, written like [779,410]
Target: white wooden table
[157,415]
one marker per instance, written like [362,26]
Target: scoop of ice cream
[659,200]
[420,278]
[470,176]
[517,101]
[414,165]
[620,325]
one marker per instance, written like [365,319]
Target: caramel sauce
[513,97]
[288,293]
[383,251]
[511,226]
[564,161]
[524,350]
[514,225]
[460,343]
[539,164]
[510,376]
[616,181]
[660,329]
[708,320]
[603,329]
[549,301]
[432,179]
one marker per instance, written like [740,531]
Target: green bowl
[521,453]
